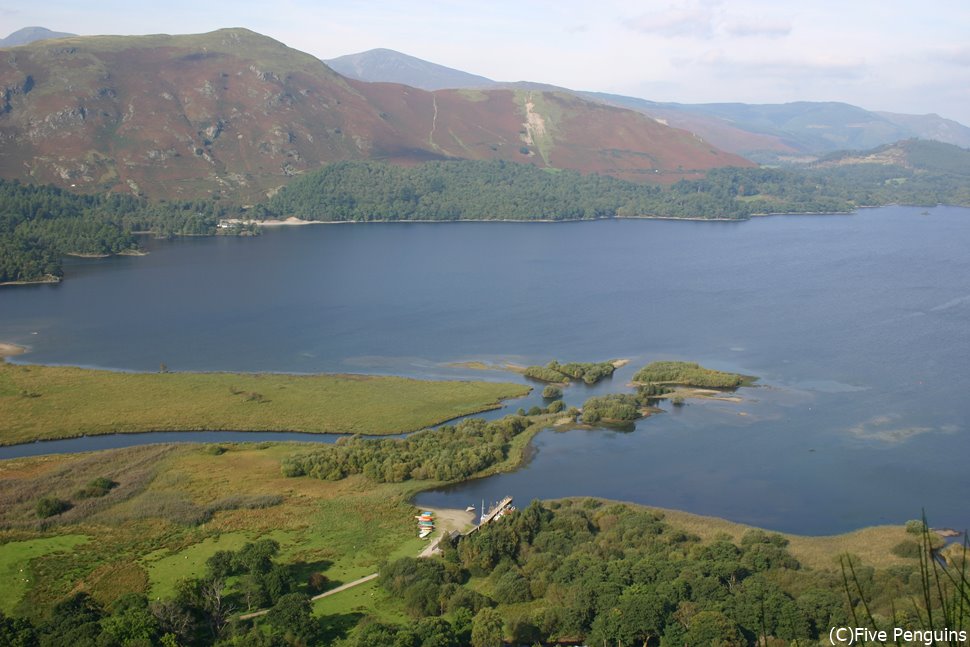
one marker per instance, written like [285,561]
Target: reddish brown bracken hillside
[236,113]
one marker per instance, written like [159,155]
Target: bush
[555,406]
[551,392]
[96,488]
[907,548]
[50,506]
[317,582]
[915,527]
[616,407]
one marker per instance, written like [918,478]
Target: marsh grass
[943,604]
[73,402]
[24,482]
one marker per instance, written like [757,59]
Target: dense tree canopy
[40,224]
[444,454]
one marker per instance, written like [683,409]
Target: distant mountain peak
[29,35]
[389,66]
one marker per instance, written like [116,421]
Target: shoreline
[9,350]
[49,279]
[293,221]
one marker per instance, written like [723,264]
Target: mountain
[29,35]
[931,126]
[387,65]
[234,112]
[816,128]
[920,156]
[791,132]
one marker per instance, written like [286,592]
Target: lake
[856,324]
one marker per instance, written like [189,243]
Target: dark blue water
[857,325]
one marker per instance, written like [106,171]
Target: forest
[39,225]
[593,572]
[498,190]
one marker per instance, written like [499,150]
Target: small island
[588,372]
[690,374]
[662,380]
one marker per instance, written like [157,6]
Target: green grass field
[15,557]
[44,402]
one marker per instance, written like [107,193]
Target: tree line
[497,190]
[447,453]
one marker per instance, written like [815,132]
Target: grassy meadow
[46,402]
[175,506]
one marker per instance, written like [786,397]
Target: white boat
[425,532]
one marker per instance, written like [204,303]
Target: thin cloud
[757,28]
[785,69]
[690,22]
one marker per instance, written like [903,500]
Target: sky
[894,55]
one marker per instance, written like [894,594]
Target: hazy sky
[896,55]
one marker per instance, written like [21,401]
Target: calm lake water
[857,326]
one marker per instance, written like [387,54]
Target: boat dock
[492,514]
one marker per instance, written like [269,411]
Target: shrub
[317,582]
[96,488]
[551,392]
[618,407]
[50,506]
[915,527]
[907,548]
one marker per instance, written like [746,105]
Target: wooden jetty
[492,514]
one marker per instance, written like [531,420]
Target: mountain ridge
[235,113]
[397,67]
[798,131]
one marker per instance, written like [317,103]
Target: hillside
[926,157]
[790,132]
[235,113]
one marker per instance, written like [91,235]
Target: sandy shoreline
[9,350]
[449,519]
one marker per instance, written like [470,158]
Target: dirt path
[342,587]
